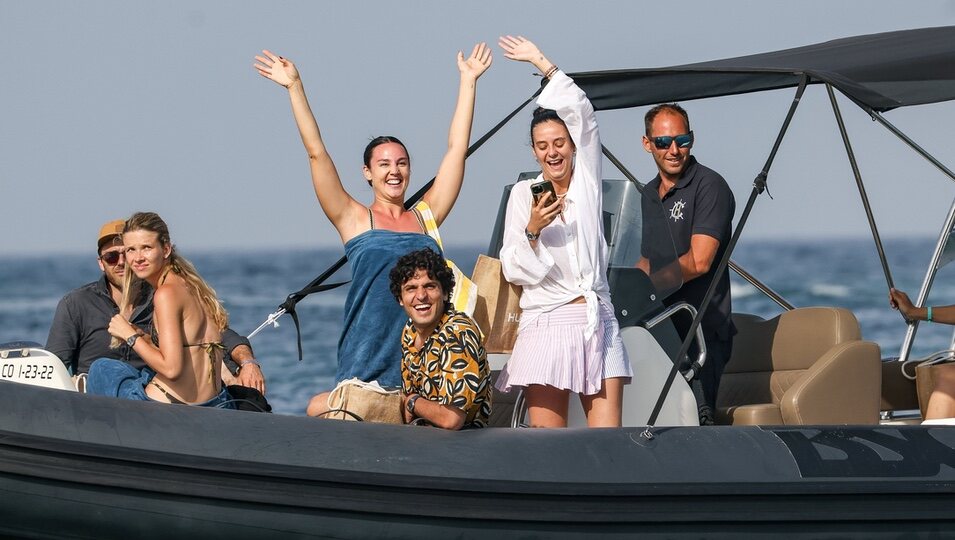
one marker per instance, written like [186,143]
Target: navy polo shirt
[701,202]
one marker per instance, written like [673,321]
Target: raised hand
[476,64]
[521,49]
[281,70]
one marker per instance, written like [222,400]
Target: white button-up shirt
[570,259]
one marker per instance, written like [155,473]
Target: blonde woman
[183,350]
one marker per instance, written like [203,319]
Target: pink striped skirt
[551,350]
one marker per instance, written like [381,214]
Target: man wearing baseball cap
[78,334]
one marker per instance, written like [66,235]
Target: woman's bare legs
[546,405]
[605,408]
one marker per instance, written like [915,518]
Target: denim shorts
[114,378]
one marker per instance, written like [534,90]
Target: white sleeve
[564,96]
[521,263]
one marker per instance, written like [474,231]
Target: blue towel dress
[370,345]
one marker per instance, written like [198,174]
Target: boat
[83,466]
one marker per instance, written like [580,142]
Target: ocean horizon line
[464,246]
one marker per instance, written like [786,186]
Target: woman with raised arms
[568,340]
[376,235]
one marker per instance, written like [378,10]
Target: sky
[111,107]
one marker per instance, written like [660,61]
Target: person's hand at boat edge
[250,372]
[279,69]
[900,301]
[939,314]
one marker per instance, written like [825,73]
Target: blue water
[843,273]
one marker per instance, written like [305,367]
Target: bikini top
[210,347]
[417,215]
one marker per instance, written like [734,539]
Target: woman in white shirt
[568,339]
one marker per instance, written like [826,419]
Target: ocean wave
[830,290]
[19,305]
[742,290]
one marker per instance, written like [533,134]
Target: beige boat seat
[806,366]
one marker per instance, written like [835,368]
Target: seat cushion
[757,414]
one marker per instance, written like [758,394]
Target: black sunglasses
[682,141]
[111,257]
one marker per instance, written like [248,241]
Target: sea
[252,284]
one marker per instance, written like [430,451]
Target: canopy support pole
[862,192]
[761,287]
[621,167]
[759,185]
[912,144]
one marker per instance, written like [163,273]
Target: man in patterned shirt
[445,378]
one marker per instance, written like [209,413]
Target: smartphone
[538,190]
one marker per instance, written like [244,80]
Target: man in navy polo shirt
[699,208]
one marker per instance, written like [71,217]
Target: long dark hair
[542,115]
[378,141]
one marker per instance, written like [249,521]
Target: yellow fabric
[465,293]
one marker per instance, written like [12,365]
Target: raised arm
[450,176]
[340,208]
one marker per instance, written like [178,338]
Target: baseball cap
[109,230]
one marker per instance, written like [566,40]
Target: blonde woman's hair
[179,265]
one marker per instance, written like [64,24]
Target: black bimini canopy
[878,71]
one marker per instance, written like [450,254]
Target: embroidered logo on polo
[676,211]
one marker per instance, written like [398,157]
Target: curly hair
[423,259]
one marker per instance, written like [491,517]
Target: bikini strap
[210,349]
[420,219]
[371,219]
[172,398]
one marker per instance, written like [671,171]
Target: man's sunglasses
[111,257]
[682,141]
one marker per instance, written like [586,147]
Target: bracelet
[244,363]
[929,318]
[551,71]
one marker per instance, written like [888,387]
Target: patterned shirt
[451,368]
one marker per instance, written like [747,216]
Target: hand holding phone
[538,190]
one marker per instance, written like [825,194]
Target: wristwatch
[410,403]
[531,236]
[131,340]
